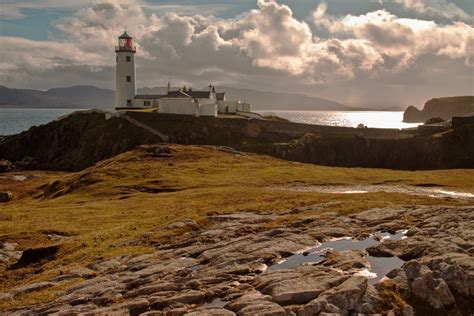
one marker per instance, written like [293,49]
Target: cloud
[441,8]
[264,48]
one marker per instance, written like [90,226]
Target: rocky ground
[222,268]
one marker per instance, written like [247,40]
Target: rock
[427,287]
[445,108]
[35,255]
[5,197]
[434,291]
[255,303]
[371,301]
[185,223]
[262,308]
[298,286]
[30,288]
[5,166]
[434,120]
[348,294]
[348,261]
[5,297]
[83,273]
[214,311]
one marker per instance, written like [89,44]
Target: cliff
[445,108]
[80,140]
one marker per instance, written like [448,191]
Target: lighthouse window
[128,58]
[129,79]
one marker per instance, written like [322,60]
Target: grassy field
[120,205]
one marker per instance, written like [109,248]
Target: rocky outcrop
[445,108]
[452,149]
[215,270]
[82,139]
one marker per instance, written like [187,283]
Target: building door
[129,102]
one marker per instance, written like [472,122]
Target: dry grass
[106,210]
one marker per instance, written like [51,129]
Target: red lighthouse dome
[125,44]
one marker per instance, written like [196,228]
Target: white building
[183,101]
[125,89]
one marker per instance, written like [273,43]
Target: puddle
[431,191]
[379,267]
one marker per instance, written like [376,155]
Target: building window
[128,58]
[129,102]
[129,78]
[146,103]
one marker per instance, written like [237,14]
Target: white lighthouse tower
[125,89]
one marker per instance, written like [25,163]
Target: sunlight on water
[377,119]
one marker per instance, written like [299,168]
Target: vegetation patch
[103,221]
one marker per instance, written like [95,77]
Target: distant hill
[445,108]
[81,97]
[84,97]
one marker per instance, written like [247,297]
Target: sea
[16,120]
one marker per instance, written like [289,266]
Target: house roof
[177,94]
[148,96]
[198,94]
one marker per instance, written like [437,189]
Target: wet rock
[349,261]
[298,286]
[17,291]
[5,197]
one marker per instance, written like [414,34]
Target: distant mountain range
[83,97]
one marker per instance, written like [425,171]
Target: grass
[106,210]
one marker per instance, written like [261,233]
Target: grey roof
[177,94]
[198,94]
[148,96]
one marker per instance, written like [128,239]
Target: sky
[358,52]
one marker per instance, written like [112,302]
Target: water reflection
[376,119]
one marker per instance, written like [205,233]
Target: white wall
[208,110]
[244,107]
[154,103]
[124,90]
[232,106]
[207,101]
[184,106]
[222,106]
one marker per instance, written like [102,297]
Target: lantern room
[125,44]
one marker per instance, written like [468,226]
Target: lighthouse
[125,89]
